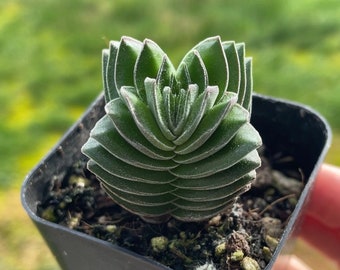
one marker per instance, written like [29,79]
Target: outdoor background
[50,71]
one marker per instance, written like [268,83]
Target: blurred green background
[50,71]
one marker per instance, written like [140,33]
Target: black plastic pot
[287,127]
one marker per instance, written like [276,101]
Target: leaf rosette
[175,142]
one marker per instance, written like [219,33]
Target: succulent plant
[175,142]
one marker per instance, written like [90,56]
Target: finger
[321,221]
[290,262]
[324,203]
[322,237]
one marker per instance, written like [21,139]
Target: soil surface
[244,238]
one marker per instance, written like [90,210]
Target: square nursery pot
[284,126]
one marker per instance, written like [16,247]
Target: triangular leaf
[189,98]
[249,85]
[125,125]
[241,53]
[248,163]
[199,215]
[236,118]
[105,59]
[246,140]
[183,76]
[143,200]
[207,126]
[127,54]
[203,103]
[192,67]
[110,71]
[119,169]
[106,134]
[148,64]
[199,205]
[145,121]
[215,62]
[144,211]
[233,66]
[156,104]
[208,195]
[170,107]
[165,73]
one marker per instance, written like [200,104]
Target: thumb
[290,262]
[321,222]
[324,203]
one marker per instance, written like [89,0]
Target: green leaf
[183,76]
[136,188]
[241,53]
[155,101]
[203,103]
[106,134]
[145,121]
[216,199]
[170,107]
[143,200]
[226,177]
[199,215]
[142,210]
[228,127]
[147,65]
[105,58]
[125,125]
[165,73]
[179,104]
[249,85]
[215,62]
[207,126]
[132,187]
[233,66]
[218,193]
[192,69]
[189,98]
[200,205]
[112,168]
[246,140]
[127,54]
[110,71]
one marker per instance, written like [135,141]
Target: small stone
[102,220]
[287,185]
[215,221]
[182,235]
[49,214]
[78,181]
[267,253]
[159,243]
[196,247]
[249,264]
[272,226]
[271,242]
[220,249]
[237,256]
[74,221]
[111,228]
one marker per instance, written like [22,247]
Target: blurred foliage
[50,69]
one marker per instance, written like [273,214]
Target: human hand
[321,220]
